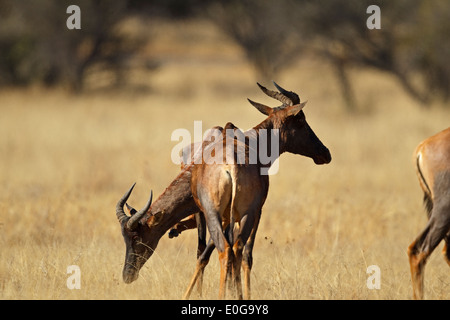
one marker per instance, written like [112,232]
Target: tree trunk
[347,92]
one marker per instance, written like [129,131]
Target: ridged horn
[261,107]
[134,220]
[276,95]
[291,95]
[119,207]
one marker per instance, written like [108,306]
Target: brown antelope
[188,155]
[144,228]
[232,192]
[432,159]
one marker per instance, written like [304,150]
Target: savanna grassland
[66,159]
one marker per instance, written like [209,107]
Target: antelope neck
[174,204]
[269,124]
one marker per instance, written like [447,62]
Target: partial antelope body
[228,193]
[432,158]
[144,228]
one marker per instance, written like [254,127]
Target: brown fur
[173,205]
[433,169]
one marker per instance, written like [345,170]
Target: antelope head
[296,136]
[138,241]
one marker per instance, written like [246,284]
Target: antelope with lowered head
[143,229]
[432,159]
[232,192]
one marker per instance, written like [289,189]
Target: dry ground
[65,160]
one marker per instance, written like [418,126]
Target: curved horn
[134,220]
[119,207]
[279,96]
[291,95]
[261,107]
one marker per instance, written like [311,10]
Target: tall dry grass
[65,161]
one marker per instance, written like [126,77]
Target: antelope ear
[130,209]
[156,218]
[261,107]
[295,109]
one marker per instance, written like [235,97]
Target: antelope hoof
[173,233]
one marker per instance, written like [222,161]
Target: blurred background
[85,113]
[121,37]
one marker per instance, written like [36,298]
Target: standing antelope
[432,158]
[232,192]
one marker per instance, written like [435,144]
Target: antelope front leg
[198,273]
[202,262]
[203,251]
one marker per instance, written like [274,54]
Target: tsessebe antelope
[143,229]
[232,192]
[432,158]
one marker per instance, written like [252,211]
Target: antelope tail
[427,200]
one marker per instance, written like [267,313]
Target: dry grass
[65,160]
